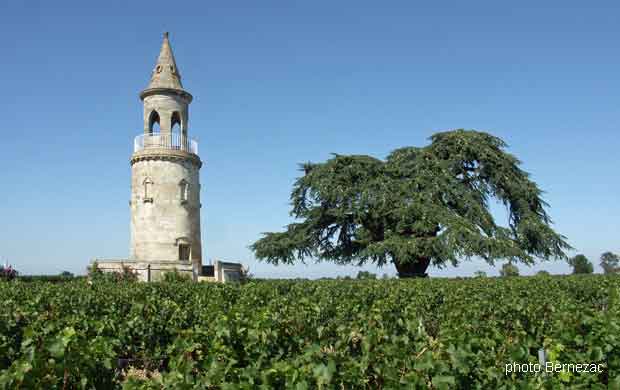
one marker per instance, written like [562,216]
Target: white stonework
[222,272]
[165,179]
[147,271]
[165,213]
[165,186]
[165,106]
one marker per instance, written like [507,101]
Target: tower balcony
[172,141]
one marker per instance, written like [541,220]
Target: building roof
[166,73]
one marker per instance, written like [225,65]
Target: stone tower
[165,182]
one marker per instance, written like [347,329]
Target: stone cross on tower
[165,185]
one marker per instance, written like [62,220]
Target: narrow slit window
[184,252]
[184,191]
[148,190]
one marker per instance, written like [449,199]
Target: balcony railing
[171,141]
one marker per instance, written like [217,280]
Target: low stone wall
[150,271]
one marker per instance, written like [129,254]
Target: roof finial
[166,35]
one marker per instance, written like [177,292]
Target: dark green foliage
[246,276]
[371,334]
[508,270]
[93,270]
[420,206]
[176,277]
[610,262]
[581,265]
[366,275]
[480,274]
[542,273]
[66,274]
[96,275]
[48,278]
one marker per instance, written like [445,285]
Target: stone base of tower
[148,271]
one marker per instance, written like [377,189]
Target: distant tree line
[509,270]
[9,273]
[609,262]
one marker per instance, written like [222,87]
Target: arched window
[153,122]
[184,191]
[175,120]
[148,190]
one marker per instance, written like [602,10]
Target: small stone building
[165,182]
[222,272]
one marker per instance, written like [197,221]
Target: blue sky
[277,83]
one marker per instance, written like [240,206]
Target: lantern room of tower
[165,101]
[166,109]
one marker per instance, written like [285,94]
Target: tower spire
[166,74]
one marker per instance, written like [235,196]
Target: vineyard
[375,334]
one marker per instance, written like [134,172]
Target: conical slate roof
[166,74]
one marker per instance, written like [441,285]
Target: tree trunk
[415,269]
